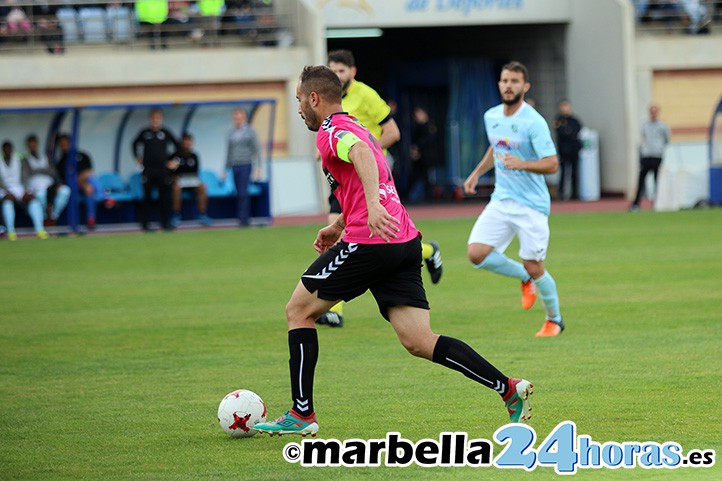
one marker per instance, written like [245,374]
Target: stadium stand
[108,23]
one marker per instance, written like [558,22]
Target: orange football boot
[528,294]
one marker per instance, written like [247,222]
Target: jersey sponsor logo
[388,192]
[330,179]
[505,143]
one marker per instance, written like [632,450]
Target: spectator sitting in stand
[17,22]
[88,184]
[44,182]
[239,17]
[184,166]
[180,22]
[14,189]
[51,34]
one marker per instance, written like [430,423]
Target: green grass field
[116,350]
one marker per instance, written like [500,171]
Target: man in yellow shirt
[373,112]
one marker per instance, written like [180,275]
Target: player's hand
[470,184]
[512,162]
[172,164]
[327,238]
[28,197]
[381,223]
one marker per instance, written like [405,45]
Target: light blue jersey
[525,135]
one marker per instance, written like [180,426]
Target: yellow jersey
[365,104]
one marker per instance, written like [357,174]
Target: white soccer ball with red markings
[239,411]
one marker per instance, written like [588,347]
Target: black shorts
[334,206]
[392,272]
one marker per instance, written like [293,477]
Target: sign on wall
[415,13]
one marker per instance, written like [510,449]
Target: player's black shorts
[392,272]
[334,206]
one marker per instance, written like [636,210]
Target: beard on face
[515,99]
[311,120]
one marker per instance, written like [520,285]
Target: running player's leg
[413,328]
[402,301]
[301,313]
[318,290]
[533,231]
[491,235]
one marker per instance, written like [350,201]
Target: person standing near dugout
[568,127]
[373,245]
[521,151]
[655,137]
[152,148]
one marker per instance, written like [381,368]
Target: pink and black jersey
[338,133]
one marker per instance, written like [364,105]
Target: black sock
[303,347]
[457,355]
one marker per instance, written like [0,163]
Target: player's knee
[292,311]
[299,315]
[414,348]
[534,269]
[476,256]
[418,346]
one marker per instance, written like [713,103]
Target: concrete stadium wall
[600,68]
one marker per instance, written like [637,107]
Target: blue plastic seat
[68,20]
[135,183]
[120,24]
[93,21]
[116,187]
[214,186]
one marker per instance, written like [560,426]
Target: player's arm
[485,165]
[390,133]
[545,165]
[135,148]
[380,222]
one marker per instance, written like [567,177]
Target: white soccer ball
[239,411]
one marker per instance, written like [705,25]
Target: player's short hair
[186,135]
[342,56]
[31,138]
[322,80]
[519,67]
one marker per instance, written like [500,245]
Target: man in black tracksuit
[568,145]
[152,148]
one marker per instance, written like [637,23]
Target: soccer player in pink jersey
[379,250]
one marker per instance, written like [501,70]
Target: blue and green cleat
[290,423]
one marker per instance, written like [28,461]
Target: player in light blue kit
[522,151]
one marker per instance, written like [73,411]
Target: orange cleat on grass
[550,329]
